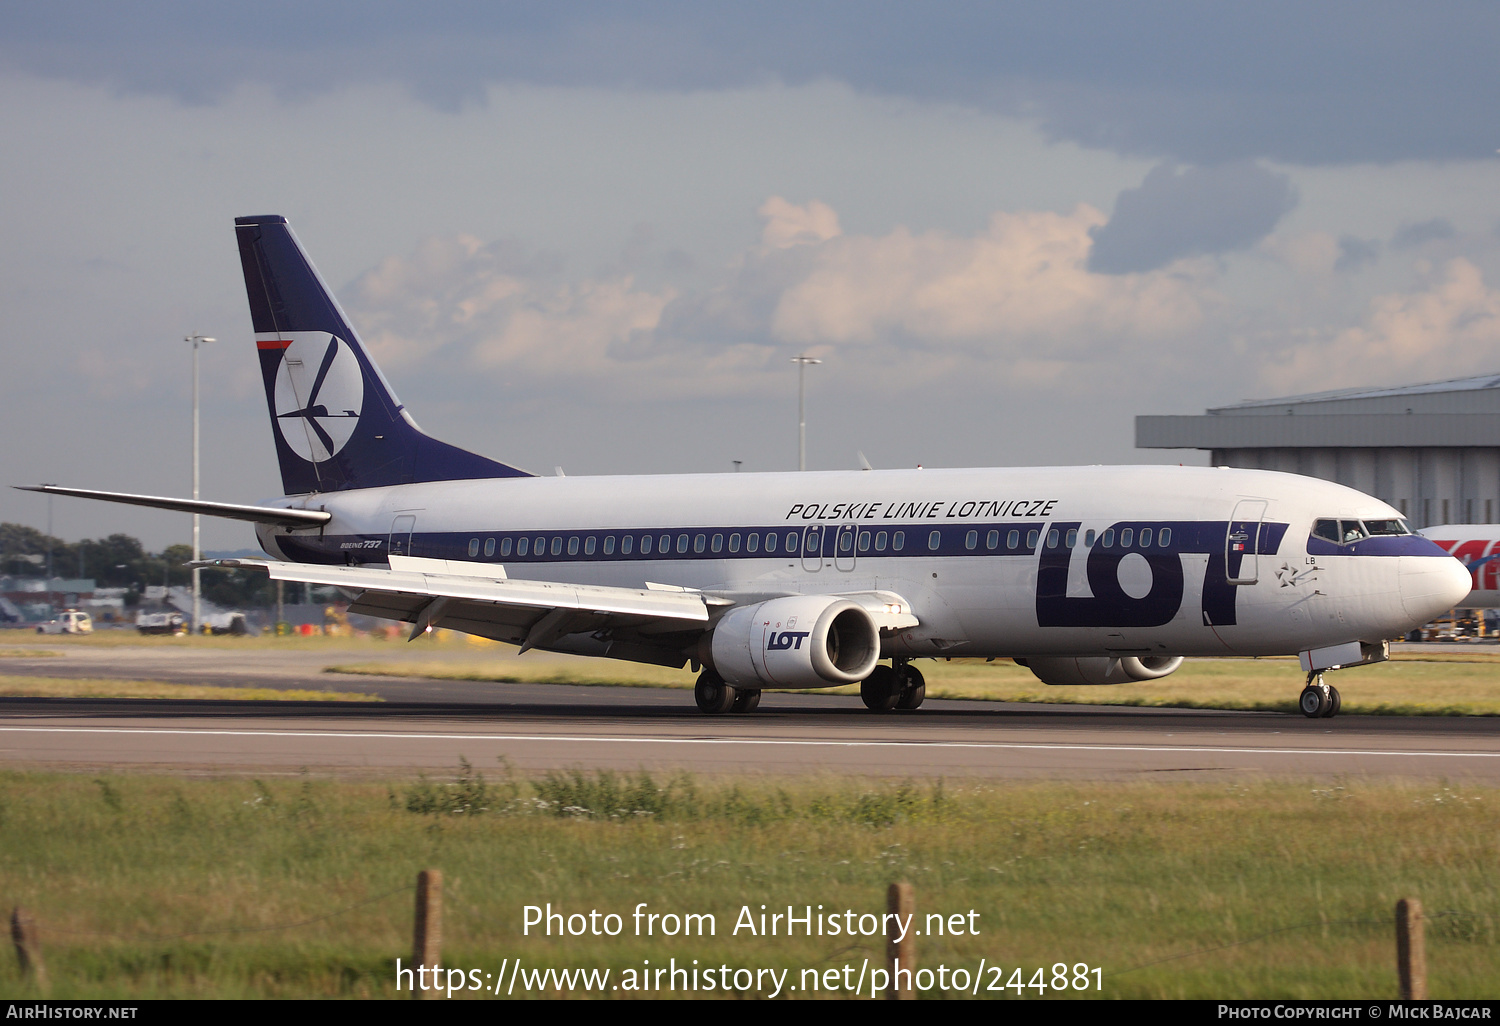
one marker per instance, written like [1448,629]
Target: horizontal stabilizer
[232,511]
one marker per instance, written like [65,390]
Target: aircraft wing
[643,625]
[278,515]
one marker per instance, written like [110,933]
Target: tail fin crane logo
[319,394]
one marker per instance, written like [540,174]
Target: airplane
[804,580]
[1477,546]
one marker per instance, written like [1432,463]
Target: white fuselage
[1233,574]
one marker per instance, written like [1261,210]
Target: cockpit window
[1328,530]
[1386,527]
[1352,531]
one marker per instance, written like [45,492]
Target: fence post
[900,950]
[28,948]
[427,931]
[1411,950]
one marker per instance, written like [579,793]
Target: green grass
[149,886]
[1463,683]
[67,687]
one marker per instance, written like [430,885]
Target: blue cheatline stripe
[1017,538]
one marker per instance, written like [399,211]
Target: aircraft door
[401,532]
[1242,542]
[844,551]
[812,549]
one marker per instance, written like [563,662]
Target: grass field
[1465,683]
[68,687]
[147,886]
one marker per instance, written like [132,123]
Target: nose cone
[1432,585]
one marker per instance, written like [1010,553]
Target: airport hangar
[1432,451]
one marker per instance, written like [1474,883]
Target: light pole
[196,340]
[802,362]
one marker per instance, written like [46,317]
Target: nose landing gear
[1319,700]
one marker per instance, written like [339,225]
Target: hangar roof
[1461,412]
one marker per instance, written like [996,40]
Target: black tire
[712,694]
[1312,702]
[746,699]
[1334,703]
[913,688]
[881,690]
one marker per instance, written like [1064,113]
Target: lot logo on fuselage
[319,394]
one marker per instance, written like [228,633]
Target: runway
[429,725]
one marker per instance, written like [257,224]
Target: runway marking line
[586,738]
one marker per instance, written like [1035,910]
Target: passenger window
[1088,539]
[717,544]
[557,545]
[791,542]
[489,547]
[1071,539]
[473,547]
[522,545]
[864,541]
[699,543]
[1013,540]
[627,542]
[934,540]
[645,544]
[1052,538]
[1031,537]
[770,541]
[609,545]
[880,541]
[588,545]
[1352,531]
[992,540]
[1145,537]
[898,541]
[664,544]
[682,543]
[1108,540]
[504,546]
[846,541]
[811,544]
[752,542]
[1165,538]
[1126,537]
[971,540]
[734,543]
[1328,530]
[573,545]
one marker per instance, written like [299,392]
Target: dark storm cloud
[1174,214]
[1409,236]
[1327,83]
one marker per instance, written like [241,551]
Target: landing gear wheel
[1314,701]
[1334,702]
[712,694]
[881,690]
[746,699]
[913,688]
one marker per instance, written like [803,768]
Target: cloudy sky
[594,234]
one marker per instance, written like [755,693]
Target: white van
[71,621]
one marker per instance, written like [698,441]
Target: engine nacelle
[802,641]
[1099,669]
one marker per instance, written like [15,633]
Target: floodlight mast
[802,362]
[196,340]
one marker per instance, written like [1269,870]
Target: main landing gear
[714,696]
[900,686]
[1319,700]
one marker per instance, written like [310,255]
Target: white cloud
[1449,329]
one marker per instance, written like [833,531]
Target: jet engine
[1099,669]
[802,641]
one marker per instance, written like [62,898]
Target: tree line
[120,561]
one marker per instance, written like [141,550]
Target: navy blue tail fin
[336,422]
